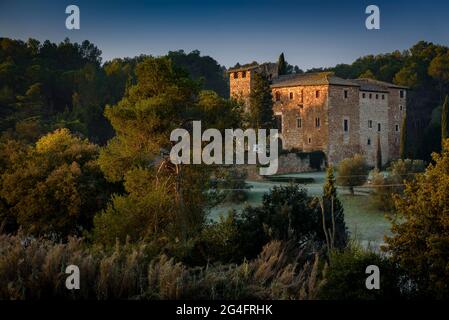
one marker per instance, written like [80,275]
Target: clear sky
[310,33]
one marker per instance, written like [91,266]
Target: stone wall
[343,144]
[303,104]
[374,109]
[240,87]
[395,115]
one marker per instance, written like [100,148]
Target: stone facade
[322,112]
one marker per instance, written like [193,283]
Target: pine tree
[379,154]
[333,210]
[282,65]
[445,120]
[403,146]
[260,113]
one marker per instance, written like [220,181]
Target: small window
[401,107]
[317,93]
[345,93]
[278,96]
[346,125]
[243,74]
[401,94]
[379,127]
[364,95]
[397,128]
[377,96]
[310,140]
[236,75]
[370,124]
[301,94]
[317,122]
[299,122]
[370,95]
[383,97]
[369,141]
[291,95]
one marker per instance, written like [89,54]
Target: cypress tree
[403,146]
[379,154]
[333,207]
[282,65]
[260,115]
[445,121]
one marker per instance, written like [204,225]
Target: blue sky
[310,33]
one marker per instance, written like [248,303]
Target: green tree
[352,172]
[260,114]
[403,144]
[445,120]
[282,65]
[379,154]
[334,219]
[55,186]
[420,236]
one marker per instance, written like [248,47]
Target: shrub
[352,172]
[345,277]
[385,187]
[420,239]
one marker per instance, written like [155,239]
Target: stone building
[322,112]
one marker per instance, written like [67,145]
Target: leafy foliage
[420,235]
[54,187]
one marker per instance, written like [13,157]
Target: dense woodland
[85,178]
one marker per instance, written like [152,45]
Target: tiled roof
[375,85]
[315,78]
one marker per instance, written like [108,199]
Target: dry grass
[35,269]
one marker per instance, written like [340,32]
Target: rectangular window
[370,124]
[317,93]
[291,95]
[370,95]
[377,96]
[401,93]
[379,128]
[301,94]
[346,125]
[243,74]
[364,95]
[317,122]
[368,142]
[310,140]
[278,96]
[397,128]
[401,108]
[236,75]
[383,97]
[299,122]
[346,94]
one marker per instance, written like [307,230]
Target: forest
[85,179]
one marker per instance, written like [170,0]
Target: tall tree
[282,65]
[445,120]
[403,145]
[379,154]
[334,220]
[420,236]
[260,113]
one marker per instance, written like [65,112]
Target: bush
[385,187]
[420,239]
[352,172]
[345,277]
